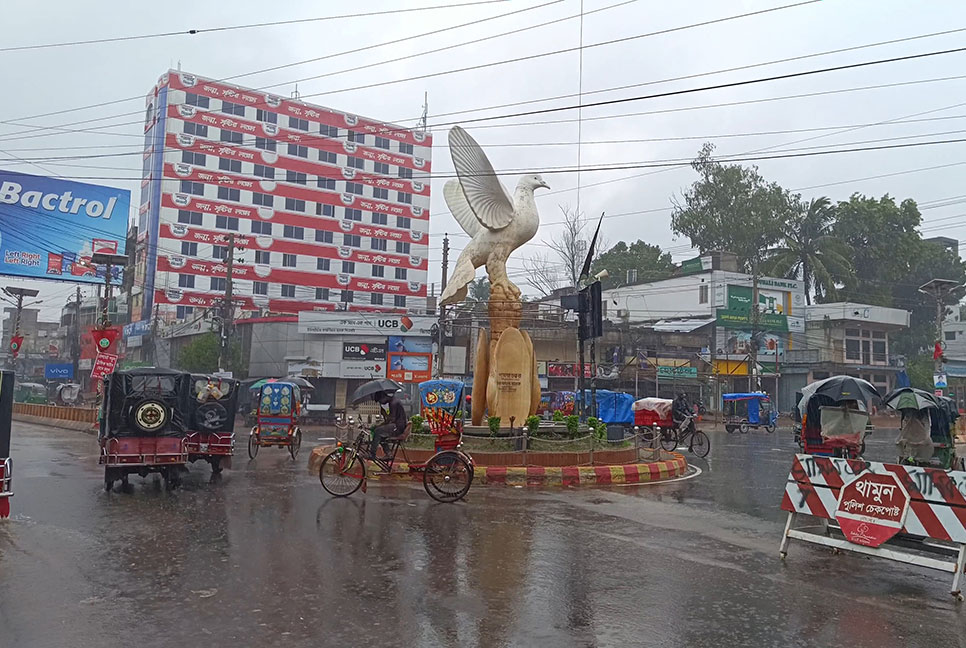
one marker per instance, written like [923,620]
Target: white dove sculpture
[497,224]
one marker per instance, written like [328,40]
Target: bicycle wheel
[447,477]
[252,446]
[293,448]
[648,436]
[700,444]
[669,439]
[342,473]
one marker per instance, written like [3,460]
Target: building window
[292,204]
[322,264]
[300,151]
[378,271]
[353,188]
[323,236]
[401,273]
[289,260]
[231,136]
[353,136]
[266,144]
[703,293]
[403,222]
[219,252]
[193,99]
[182,312]
[324,210]
[328,157]
[404,197]
[380,193]
[379,218]
[199,130]
[293,232]
[852,350]
[229,165]
[294,176]
[219,284]
[375,299]
[190,157]
[288,290]
[259,287]
[405,172]
[263,256]
[351,240]
[189,217]
[189,249]
[379,244]
[326,183]
[381,168]
[265,200]
[405,149]
[353,214]
[226,222]
[230,108]
[189,187]
[227,193]
[382,142]
[268,117]
[950,336]
[349,267]
[186,281]
[400,300]
[346,296]
[879,355]
[328,131]
[356,162]
[301,124]
[263,171]
[321,293]
[402,247]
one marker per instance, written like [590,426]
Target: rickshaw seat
[402,438]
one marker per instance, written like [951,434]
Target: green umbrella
[910,398]
[261,383]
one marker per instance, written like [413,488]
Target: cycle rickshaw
[279,407]
[448,474]
[835,416]
[925,437]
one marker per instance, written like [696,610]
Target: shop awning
[680,325]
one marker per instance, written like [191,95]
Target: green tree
[883,241]
[731,207]
[920,370]
[201,355]
[650,262]
[809,251]
[479,290]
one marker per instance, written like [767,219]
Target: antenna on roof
[295,93]
[179,65]
[422,120]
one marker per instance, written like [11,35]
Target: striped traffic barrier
[880,509]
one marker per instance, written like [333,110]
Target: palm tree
[808,250]
[479,290]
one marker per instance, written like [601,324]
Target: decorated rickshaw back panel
[441,404]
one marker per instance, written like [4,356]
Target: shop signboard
[410,367]
[677,372]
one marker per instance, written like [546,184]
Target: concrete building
[330,210]
[43,342]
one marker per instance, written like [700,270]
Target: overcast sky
[46,80]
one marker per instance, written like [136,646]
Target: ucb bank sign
[364,351]
[364,324]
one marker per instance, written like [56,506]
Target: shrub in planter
[558,416]
[417,422]
[573,424]
[533,424]
[493,423]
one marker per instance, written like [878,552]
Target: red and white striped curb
[937,506]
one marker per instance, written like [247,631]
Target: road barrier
[55,412]
[909,514]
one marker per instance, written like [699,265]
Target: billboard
[398,344]
[410,367]
[49,228]
[364,351]
[385,324]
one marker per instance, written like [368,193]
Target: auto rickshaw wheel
[743,428]
[447,476]
[108,479]
[729,429]
[150,415]
[211,416]
[293,448]
[215,465]
[252,445]
[770,429]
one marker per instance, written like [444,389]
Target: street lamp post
[939,289]
[109,261]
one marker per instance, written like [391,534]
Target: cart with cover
[749,411]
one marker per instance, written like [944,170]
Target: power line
[211,30]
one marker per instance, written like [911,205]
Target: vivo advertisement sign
[50,228]
[58,371]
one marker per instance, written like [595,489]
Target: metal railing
[6,478]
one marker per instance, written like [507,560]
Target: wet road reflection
[262,556]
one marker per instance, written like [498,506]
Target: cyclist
[682,411]
[394,421]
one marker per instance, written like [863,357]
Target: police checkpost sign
[50,228]
[910,514]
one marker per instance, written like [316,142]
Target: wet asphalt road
[263,557]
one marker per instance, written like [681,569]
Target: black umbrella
[367,390]
[840,388]
[298,380]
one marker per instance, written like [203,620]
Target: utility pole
[228,307]
[76,345]
[939,289]
[442,309]
[753,369]
[154,336]
[109,261]
[16,341]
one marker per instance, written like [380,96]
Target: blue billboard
[49,228]
[58,371]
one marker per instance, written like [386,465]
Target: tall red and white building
[331,209]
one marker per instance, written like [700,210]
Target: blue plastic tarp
[613,407]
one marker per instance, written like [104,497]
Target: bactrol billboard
[49,228]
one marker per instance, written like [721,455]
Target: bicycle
[697,441]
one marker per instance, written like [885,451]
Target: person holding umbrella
[383,391]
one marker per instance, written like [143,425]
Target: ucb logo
[388,323]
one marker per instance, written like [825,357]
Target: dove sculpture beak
[543,184]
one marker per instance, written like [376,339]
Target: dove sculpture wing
[461,210]
[484,194]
